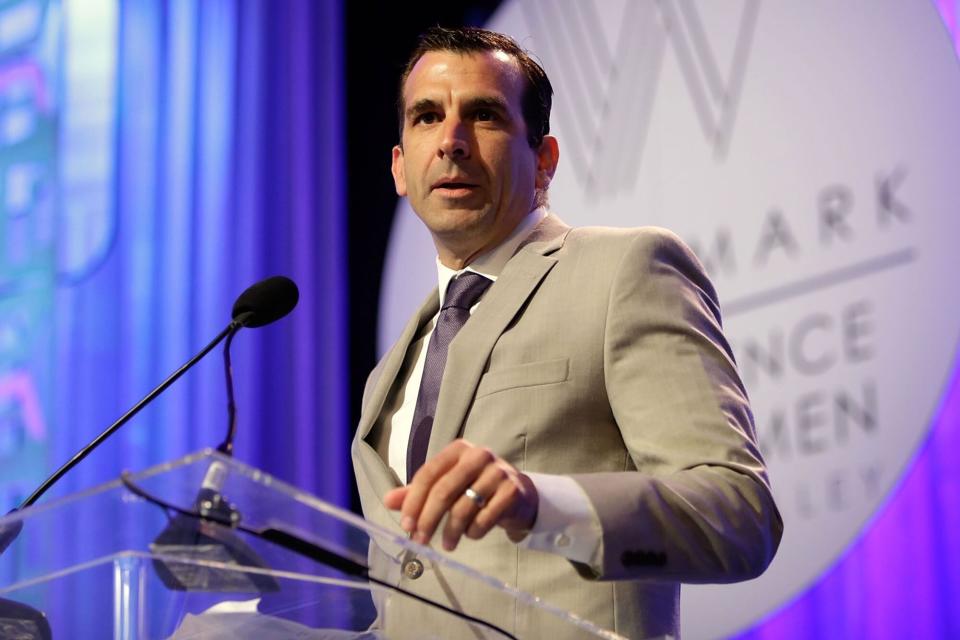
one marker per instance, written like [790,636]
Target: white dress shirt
[566,522]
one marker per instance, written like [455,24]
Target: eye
[486,115]
[427,117]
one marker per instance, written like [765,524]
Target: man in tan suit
[591,436]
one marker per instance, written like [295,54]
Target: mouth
[454,189]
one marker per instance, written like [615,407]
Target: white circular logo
[807,151]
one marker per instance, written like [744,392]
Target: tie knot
[464,290]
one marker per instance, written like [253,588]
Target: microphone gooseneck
[262,303]
[226,447]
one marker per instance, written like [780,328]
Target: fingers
[502,499]
[466,511]
[393,499]
[436,488]
[420,486]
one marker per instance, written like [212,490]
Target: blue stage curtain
[228,168]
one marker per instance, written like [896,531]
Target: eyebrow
[488,102]
[424,105]
[421,106]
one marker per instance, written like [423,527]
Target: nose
[455,142]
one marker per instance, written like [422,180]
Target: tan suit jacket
[598,354]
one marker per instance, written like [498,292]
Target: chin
[468,222]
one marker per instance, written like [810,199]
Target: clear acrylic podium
[151,572]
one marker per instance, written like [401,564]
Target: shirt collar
[492,262]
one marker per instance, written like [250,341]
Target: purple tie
[462,293]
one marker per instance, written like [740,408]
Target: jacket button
[413,569]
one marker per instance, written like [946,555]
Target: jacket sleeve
[694,504]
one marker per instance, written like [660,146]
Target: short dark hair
[537,94]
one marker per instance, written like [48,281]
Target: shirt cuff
[566,523]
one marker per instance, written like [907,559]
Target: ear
[548,155]
[396,168]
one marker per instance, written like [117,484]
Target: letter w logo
[610,92]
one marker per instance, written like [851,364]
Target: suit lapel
[392,363]
[374,477]
[470,350]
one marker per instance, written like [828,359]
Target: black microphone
[265,302]
[262,303]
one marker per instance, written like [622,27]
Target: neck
[457,261]
[457,257]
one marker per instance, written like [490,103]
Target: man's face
[465,163]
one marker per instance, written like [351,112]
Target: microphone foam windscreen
[268,300]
